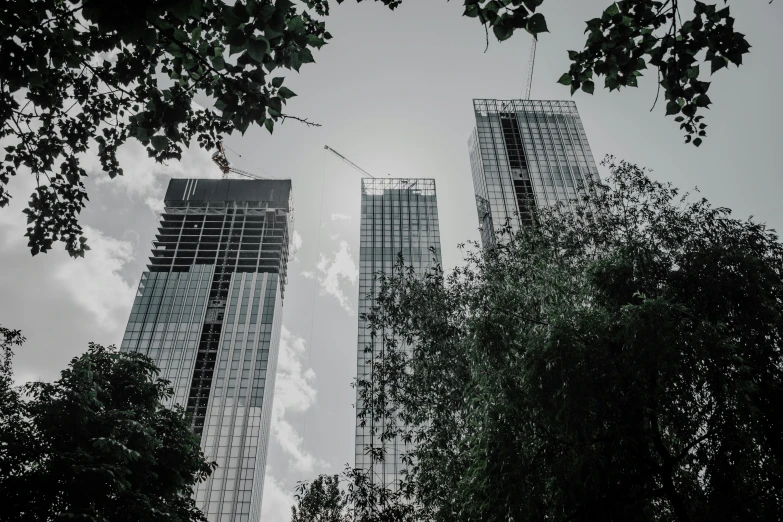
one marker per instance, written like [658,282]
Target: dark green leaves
[236,37]
[505,17]
[159,143]
[257,49]
[537,24]
[285,93]
[565,79]
[104,425]
[588,87]
[144,92]
[630,35]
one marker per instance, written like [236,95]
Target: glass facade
[526,154]
[209,312]
[398,216]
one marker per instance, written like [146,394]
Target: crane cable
[248,160]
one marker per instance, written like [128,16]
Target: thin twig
[303,120]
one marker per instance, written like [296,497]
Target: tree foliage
[351,496]
[321,500]
[85,71]
[631,34]
[78,74]
[619,362]
[97,444]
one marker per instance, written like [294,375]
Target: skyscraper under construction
[526,154]
[208,311]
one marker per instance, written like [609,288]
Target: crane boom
[531,63]
[349,162]
[219,157]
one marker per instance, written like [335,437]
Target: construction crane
[530,64]
[219,157]
[349,162]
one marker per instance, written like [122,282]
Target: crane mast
[349,162]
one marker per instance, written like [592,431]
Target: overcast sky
[393,92]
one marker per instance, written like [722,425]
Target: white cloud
[94,282]
[155,204]
[295,245]
[25,377]
[143,177]
[341,217]
[294,393]
[277,502]
[333,272]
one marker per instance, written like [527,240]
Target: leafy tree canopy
[97,444]
[351,496]
[78,73]
[619,362]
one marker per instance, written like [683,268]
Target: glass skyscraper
[208,311]
[526,154]
[398,216]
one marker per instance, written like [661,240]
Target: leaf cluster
[352,496]
[98,444]
[86,73]
[630,35]
[619,362]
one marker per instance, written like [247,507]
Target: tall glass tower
[208,311]
[398,216]
[526,154]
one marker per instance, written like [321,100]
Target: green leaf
[235,37]
[565,79]
[537,24]
[718,63]
[286,93]
[672,108]
[502,32]
[573,55]
[180,35]
[159,143]
[697,141]
[588,87]
[277,82]
[612,10]
[257,48]
[702,100]
[150,38]
[270,125]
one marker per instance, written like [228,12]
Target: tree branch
[303,120]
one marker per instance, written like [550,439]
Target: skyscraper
[208,311]
[526,154]
[398,216]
